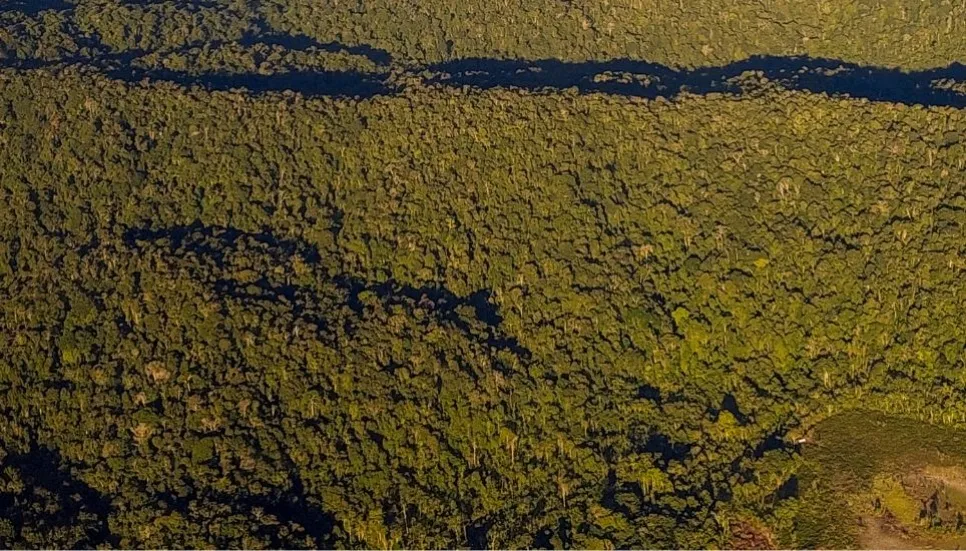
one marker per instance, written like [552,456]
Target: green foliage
[895,33]
[683,33]
[449,317]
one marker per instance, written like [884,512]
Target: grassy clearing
[879,482]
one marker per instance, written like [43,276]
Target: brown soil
[748,535]
[886,533]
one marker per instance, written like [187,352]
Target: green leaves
[225,310]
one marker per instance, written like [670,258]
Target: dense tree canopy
[451,317]
[895,33]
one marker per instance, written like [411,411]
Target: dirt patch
[750,535]
[886,532]
[952,477]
